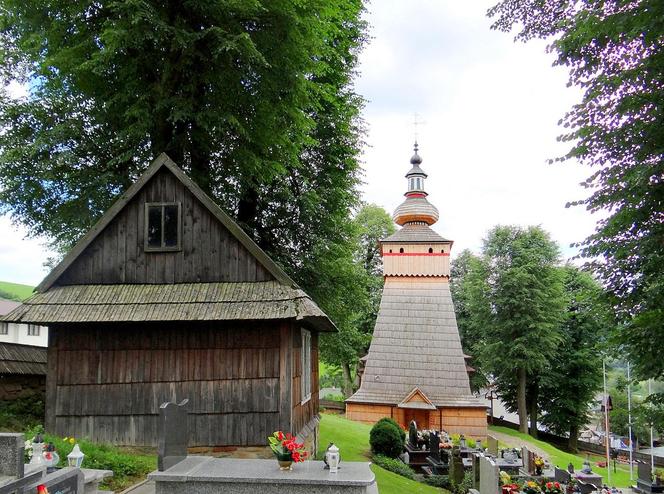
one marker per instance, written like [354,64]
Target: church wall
[368,414]
[468,421]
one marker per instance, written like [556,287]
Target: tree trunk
[533,412]
[573,443]
[521,401]
[348,382]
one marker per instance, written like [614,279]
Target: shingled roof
[22,359]
[174,302]
[416,343]
[414,233]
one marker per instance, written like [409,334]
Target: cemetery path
[516,442]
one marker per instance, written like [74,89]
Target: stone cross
[11,455]
[489,477]
[492,445]
[173,434]
[412,434]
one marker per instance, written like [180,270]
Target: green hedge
[396,466]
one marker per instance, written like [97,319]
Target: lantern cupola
[416,209]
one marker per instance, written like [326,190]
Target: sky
[489,108]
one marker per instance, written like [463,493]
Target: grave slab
[207,475]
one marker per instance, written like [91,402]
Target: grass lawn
[353,441]
[15,290]
[560,458]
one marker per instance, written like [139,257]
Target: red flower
[557,484]
[290,446]
[280,436]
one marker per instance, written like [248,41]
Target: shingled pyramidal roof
[416,347]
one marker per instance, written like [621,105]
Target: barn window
[163,226]
[401,250]
[33,330]
[430,250]
[305,357]
[4,328]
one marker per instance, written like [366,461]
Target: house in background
[166,299]
[22,372]
[23,334]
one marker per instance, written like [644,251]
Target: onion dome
[415,209]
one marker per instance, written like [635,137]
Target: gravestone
[11,455]
[644,483]
[492,445]
[173,434]
[434,446]
[489,476]
[67,480]
[456,467]
[412,434]
[475,457]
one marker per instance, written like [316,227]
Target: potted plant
[539,465]
[286,449]
[531,487]
[551,488]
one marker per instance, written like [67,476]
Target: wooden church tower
[415,368]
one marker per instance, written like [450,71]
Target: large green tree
[574,376]
[253,99]
[466,285]
[520,306]
[614,52]
[349,286]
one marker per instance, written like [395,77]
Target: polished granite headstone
[173,434]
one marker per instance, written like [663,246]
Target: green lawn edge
[562,458]
[352,438]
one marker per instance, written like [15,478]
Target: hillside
[15,291]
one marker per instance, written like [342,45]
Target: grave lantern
[75,458]
[332,457]
[462,442]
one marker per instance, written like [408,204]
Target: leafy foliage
[442,481]
[253,99]
[513,303]
[22,413]
[394,465]
[614,52]
[348,283]
[588,321]
[386,439]
[388,420]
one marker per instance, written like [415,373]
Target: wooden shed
[166,298]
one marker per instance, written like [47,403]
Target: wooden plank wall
[109,380]
[304,412]
[209,252]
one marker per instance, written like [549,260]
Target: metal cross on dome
[417,121]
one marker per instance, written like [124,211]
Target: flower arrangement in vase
[286,449]
[531,487]
[539,465]
[552,488]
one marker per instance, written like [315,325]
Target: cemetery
[227,307]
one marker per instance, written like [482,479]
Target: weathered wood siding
[302,413]
[209,252]
[106,381]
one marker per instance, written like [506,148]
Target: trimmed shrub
[442,481]
[388,420]
[385,439]
[395,466]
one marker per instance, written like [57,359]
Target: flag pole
[606,425]
[652,445]
[629,421]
